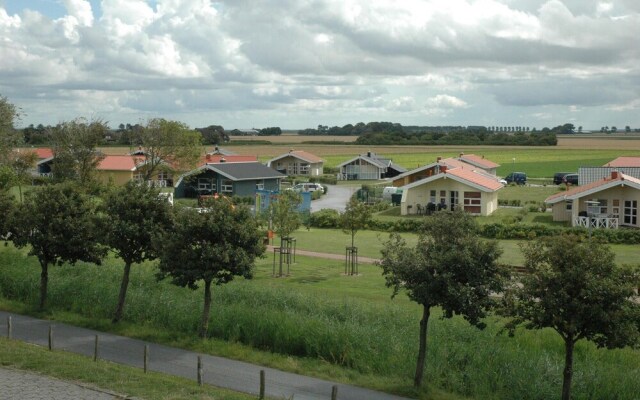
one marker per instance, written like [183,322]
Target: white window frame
[226,186]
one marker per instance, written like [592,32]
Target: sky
[303,63]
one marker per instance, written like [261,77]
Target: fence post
[9,327]
[146,357]
[50,337]
[95,349]
[334,392]
[261,384]
[199,371]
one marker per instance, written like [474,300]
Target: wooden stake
[95,349]
[9,327]
[334,392]
[261,385]
[50,337]
[199,371]
[146,357]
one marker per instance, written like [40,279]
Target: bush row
[330,219]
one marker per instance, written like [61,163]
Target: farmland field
[537,162]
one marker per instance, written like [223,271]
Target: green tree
[135,212]
[450,267]
[283,213]
[575,288]
[7,205]
[355,217]
[9,137]
[168,145]
[627,129]
[212,246]
[22,164]
[59,224]
[74,145]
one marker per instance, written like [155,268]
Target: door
[630,216]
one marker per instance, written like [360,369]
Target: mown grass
[116,378]
[319,322]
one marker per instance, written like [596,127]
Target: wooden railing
[597,222]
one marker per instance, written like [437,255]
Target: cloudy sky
[300,63]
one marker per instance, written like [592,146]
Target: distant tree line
[474,136]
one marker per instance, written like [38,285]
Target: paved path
[21,385]
[218,371]
[336,198]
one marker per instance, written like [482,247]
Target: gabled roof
[373,158]
[120,163]
[465,176]
[238,171]
[232,158]
[624,161]
[617,179]
[300,154]
[43,153]
[450,163]
[478,161]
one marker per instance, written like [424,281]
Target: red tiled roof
[624,161]
[479,161]
[43,153]
[476,178]
[215,159]
[312,158]
[119,163]
[590,186]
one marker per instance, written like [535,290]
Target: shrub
[325,218]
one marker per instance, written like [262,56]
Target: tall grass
[378,338]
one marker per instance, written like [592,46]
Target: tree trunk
[123,293]
[204,323]
[422,352]
[568,368]
[44,280]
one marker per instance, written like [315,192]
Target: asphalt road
[218,371]
[336,198]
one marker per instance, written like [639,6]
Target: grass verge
[106,375]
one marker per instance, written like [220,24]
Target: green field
[320,322]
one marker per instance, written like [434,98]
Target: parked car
[558,177]
[517,177]
[570,179]
[307,187]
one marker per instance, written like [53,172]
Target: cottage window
[227,186]
[432,197]
[205,184]
[473,202]
[260,185]
[568,205]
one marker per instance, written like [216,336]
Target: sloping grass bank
[320,322]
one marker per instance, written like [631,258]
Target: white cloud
[351,59]
[445,101]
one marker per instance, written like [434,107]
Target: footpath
[217,371]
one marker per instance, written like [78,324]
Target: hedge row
[330,219]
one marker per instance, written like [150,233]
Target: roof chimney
[615,175]
[461,154]
[290,150]
[368,154]
[438,159]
